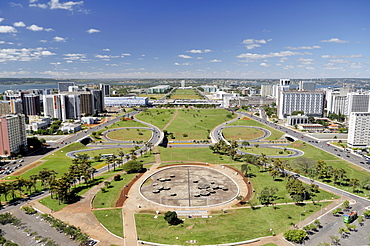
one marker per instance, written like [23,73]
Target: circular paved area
[189,187]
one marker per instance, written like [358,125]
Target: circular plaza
[189,186]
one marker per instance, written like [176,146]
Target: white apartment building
[266,90]
[357,102]
[359,130]
[310,102]
[62,106]
[307,86]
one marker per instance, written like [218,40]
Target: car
[335,150]
[21,160]
[361,162]
[338,154]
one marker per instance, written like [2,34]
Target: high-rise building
[307,86]
[31,104]
[86,104]
[63,86]
[359,130]
[13,134]
[105,89]
[62,106]
[310,102]
[13,106]
[266,90]
[357,102]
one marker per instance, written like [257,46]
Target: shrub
[117,177]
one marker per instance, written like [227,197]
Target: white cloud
[251,43]
[1,19]
[7,29]
[269,55]
[33,1]
[304,47]
[283,59]
[334,40]
[184,56]
[339,61]
[215,60]
[106,49]
[35,28]
[126,54]
[12,4]
[23,54]
[264,64]
[19,24]
[74,57]
[38,5]
[199,51]
[59,39]
[182,64]
[55,4]
[336,56]
[305,61]
[90,31]
[43,41]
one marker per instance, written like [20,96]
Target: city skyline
[177,39]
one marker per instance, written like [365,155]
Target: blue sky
[184,39]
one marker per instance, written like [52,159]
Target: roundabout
[189,186]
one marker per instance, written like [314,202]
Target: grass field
[266,151]
[245,121]
[185,94]
[109,198]
[121,123]
[157,117]
[241,133]
[193,154]
[111,219]
[234,226]
[334,161]
[130,135]
[261,179]
[197,123]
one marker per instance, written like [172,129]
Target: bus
[350,217]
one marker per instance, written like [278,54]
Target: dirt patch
[246,118]
[26,168]
[190,227]
[124,194]
[297,145]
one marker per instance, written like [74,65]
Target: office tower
[62,106]
[266,90]
[359,130]
[86,103]
[13,106]
[63,86]
[31,104]
[105,89]
[98,101]
[72,88]
[310,102]
[182,83]
[357,102]
[284,85]
[307,86]
[52,106]
[13,134]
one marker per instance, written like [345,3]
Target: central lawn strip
[109,198]
[260,179]
[185,94]
[245,121]
[197,123]
[234,226]
[241,133]
[118,124]
[193,154]
[111,219]
[130,134]
[352,170]
[157,117]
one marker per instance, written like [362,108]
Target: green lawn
[266,151]
[185,94]
[152,96]
[95,152]
[262,179]
[241,133]
[119,124]
[197,123]
[109,198]
[157,117]
[193,154]
[234,226]
[111,219]
[246,121]
[57,161]
[130,135]
[316,154]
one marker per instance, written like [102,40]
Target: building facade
[31,104]
[126,101]
[359,130]
[160,89]
[13,134]
[310,102]
[307,86]
[357,102]
[63,86]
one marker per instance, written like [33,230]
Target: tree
[354,183]
[342,231]
[245,169]
[335,240]
[345,205]
[171,218]
[295,235]
[267,195]
[132,166]
[303,164]
[245,144]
